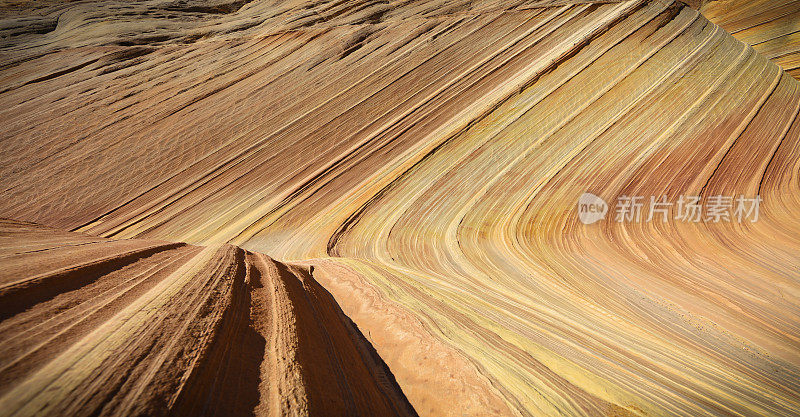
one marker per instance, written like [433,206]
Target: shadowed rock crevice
[220,331]
[342,372]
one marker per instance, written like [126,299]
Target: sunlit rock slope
[426,158]
[132,327]
[772,27]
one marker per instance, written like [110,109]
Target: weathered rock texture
[94,326]
[425,157]
[772,27]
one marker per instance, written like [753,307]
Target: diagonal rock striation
[426,160]
[177,329]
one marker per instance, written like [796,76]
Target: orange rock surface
[122,327]
[772,27]
[363,207]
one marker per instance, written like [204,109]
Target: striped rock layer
[425,158]
[771,27]
[137,327]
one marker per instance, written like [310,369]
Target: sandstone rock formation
[772,27]
[122,327]
[236,181]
